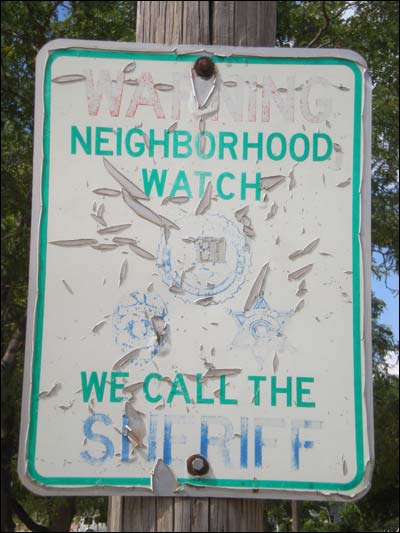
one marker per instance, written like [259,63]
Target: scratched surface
[214,306]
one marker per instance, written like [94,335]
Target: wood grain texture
[244,23]
[173,22]
[225,23]
[220,23]
[115,513]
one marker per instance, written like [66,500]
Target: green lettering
[184,143]
[85,143]
[176,391]
[114,385]
[220,192]
[140,146]
[181,184]
[255,185]
[154,142]
[328,151]
[102,140]
[258,145]
[199,391]
[292,147]
[93,383]
[154,180]
[201,145]
[284,390]
[256,393]
[300,391]
[225,144]
[203,174]
[146,383]
[223,399]
[270,153]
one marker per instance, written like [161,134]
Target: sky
[390,316]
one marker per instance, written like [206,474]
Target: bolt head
[197,465]
[204,67]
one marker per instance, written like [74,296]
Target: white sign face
[199,274]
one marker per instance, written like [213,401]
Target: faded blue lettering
[107,443]
[297,443]
[152,440]
[244,440]
[221,442]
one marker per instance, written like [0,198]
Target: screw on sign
[204,67]
[197,465]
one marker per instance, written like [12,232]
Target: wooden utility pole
[214,23]
[295,516]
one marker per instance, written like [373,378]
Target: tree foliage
[371,28]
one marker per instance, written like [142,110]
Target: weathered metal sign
[199,299]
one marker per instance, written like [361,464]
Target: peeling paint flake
[123,272]
[107,192]
[230,83]
[163,480]
[205,202]
[175,200]
[256,288]
[275,363]
[270,182]
[130,67]
[172,127]
[272,212]
[127,358]
[298,274]
[114,229]
[128,185]
[306,250]
[141,210]
[241,213]
[208,300]
[69,78]
[163,87]
[217,372]
[75,242]
[168,223]
[99,220]
[292,182]
[97,327]
[249,231]
[141,252]
[104,247]
[67,286]
[301,289]
[67,406]
[159,326]
[341,87]
[135,430]
[100,211]
[132,81]
[55,389]
[344,183]
[124,240]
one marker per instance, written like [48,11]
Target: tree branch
[8,359]
[25,518]
[327,21]
[324,27]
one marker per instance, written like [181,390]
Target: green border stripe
[38,333]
